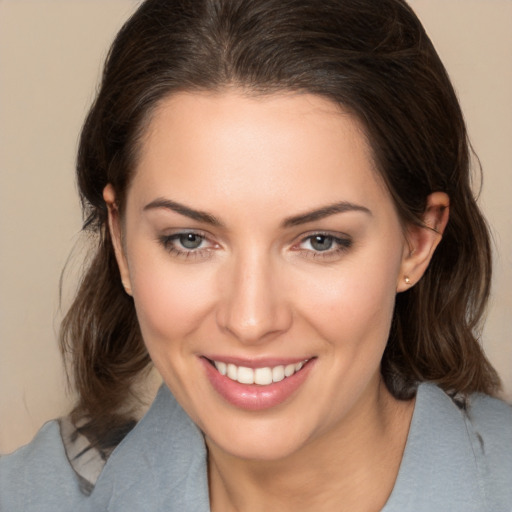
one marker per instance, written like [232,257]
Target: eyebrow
[303,218]
[323,212]
[198,215]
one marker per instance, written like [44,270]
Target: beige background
[50,56]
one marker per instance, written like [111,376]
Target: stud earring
[127,289]
[407,280]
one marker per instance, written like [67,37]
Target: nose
[253,308]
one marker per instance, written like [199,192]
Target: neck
[352,467]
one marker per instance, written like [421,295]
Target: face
[263,255]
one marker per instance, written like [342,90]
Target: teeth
[263,376]
[278,373]
[221,367]
[260,376]
[289,370]
[245,375]
[232,372]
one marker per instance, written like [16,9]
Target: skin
[257,287]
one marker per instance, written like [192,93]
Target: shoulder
[488,418]
[489,422]
[458,455]
[159,465]
[492,418]
[38,476]
[485,429]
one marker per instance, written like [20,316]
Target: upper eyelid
[185,231]
[337,235]
[172,237]
[174,234]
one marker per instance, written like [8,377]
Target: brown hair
[371,56]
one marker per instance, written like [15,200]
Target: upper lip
[262,362]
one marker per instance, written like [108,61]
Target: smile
[256,386]
[259,376]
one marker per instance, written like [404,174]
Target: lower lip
[253,397]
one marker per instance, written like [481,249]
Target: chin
[259,439]
[258,449]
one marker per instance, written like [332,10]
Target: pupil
[321,242]
[190,241]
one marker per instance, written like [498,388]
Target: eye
[323,245]
[187,244]
[190,240]
[321,242]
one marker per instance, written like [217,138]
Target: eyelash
[340,244]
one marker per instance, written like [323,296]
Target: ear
[114,225]
[423,240]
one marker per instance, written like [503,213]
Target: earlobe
[423,240]
[114,226]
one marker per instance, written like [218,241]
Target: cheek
[170,299]
[353,303]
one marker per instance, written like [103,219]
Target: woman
[286,230]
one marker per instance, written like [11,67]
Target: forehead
[268,151]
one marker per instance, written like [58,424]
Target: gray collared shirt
[456,459]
